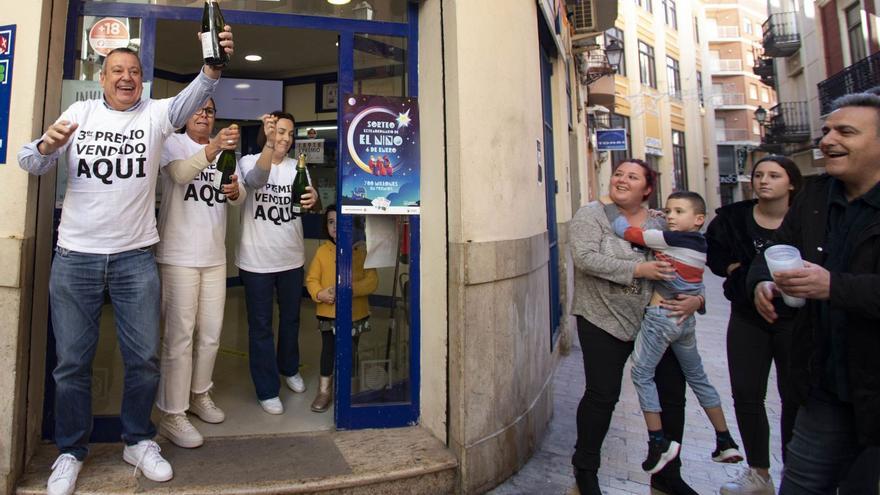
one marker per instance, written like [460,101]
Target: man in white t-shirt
[112,147]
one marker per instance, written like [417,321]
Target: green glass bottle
[300,182]
[212,26]
[225,167]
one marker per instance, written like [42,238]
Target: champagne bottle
[212,26]
[225,167]
[300,182]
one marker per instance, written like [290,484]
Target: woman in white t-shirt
[192,265]
[270,260]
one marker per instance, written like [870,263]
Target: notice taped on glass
[380,161]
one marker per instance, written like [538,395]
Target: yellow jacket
[322,274]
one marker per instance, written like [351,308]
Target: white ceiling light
[242,86]
[253,58]
[338,2]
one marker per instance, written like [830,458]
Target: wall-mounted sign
[313,149]
[108,34]
[611,140]
[7,49]
[380,161]
[653,146]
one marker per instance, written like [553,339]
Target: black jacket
[729,242]
[857,292]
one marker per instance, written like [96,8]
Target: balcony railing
[724,99]
[788,123]
[726,65]
[781,35]
[858,77]
[763,67]
[724,135]
[724,32]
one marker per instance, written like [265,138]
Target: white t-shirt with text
[113,161]
[271,239]
[192,216]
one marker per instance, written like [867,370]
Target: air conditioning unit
[583,16]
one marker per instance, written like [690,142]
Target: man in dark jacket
[835,223]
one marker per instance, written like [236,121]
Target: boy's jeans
[76,291]
[658,332]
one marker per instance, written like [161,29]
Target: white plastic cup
[783,257]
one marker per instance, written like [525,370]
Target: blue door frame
[108,428]
[547,48]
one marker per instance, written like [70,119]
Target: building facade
[659,95]
[814,52]
[471,314]
[734,32]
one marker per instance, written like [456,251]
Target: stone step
[400,460]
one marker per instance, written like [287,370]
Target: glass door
[381,384]
[383,363]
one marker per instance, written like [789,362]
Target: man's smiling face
[122,80]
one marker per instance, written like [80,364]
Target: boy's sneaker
[178,429]
[145,456]
[295,383]
[64,472]
[749,482]
[202,406]
[659,455]
[726,450]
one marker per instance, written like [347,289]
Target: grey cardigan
[605,292]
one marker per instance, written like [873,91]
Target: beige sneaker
[178,429]
[202,406]
[749,482]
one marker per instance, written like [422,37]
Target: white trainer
[749,482]
[64,472]
[202,406]
[178,429]
[273,405]
[295,383]
[145,456]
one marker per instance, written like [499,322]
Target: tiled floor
[549,471]
[233,390]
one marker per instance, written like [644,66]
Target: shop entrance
[306,63]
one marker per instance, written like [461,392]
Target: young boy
[685,249]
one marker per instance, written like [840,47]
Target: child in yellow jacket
[321,284]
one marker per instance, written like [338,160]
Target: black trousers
[604,360]
[752,345]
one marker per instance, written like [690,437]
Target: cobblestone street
[550,472]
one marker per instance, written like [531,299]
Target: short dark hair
[650,173]
[868,99]
[123,49]
[791,169]
[697,202]
[280,114]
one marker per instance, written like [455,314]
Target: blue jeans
[264,363]
[76,291]
[824,453]
[659,332]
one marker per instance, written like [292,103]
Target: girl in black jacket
[738,232]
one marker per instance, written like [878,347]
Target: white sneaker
[295,383]
[178,429]
[202,406]
[273,405]
[749,482]
[145,456]
[64,472]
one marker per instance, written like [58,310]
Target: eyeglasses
[207,111]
